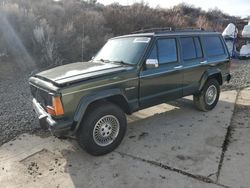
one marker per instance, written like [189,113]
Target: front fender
[87,100]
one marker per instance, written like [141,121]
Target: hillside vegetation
[50,33]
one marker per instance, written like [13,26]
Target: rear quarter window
[213,46]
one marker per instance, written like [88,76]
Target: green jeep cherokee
[129,73]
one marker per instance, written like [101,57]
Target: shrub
[59,32]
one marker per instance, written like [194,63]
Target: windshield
[128,50]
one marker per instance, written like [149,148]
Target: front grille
[42,97]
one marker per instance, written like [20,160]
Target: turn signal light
[57,108]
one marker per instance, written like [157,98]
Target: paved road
[169,145]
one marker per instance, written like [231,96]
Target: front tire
[102,129]
[208,97]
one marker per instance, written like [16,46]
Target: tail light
[57,108]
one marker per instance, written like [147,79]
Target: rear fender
[212,73]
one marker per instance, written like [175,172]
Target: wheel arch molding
[115,96]
[212,73]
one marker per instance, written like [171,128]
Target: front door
[163,82]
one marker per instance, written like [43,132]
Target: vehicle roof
[169,33]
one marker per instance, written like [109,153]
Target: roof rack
[154,29]
[190,29]
[167,29]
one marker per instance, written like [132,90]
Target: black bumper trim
[227,77]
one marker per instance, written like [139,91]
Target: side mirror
[152,63]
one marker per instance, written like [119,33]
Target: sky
[232,7]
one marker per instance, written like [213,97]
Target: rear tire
[208,97]
[102,129]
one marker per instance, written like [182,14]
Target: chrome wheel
[211,94]
[106,130]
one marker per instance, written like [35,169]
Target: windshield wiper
[109,61]
[104,61]
[122,62]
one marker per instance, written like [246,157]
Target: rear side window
[191,48]
[188,48]
[167,51]
[198,47]
[213,46]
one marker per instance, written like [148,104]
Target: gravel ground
[240,70]
[17,116]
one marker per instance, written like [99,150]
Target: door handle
[178,67]
[203,62]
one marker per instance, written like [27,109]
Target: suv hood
[78,71]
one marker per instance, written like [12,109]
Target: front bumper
[56,127]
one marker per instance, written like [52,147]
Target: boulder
[245,50]
[246,31]
[230,31]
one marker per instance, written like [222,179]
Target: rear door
[165,81]
[192,58]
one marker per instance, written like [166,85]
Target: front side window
[129,50]
[213,46]
[167,51]
[153,53]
